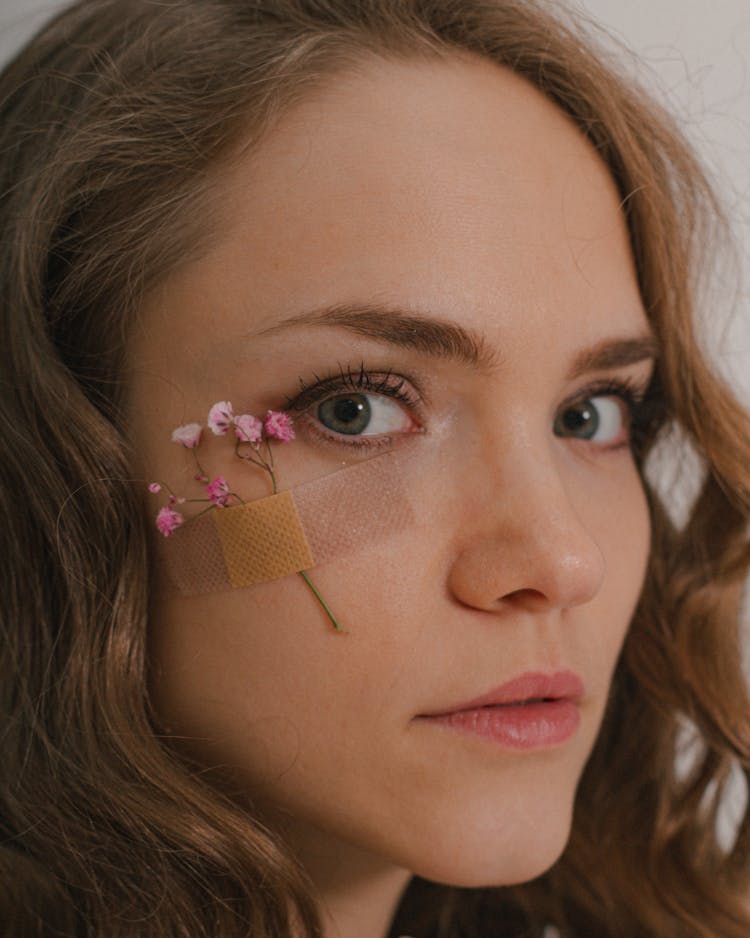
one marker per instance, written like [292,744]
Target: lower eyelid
[330,438]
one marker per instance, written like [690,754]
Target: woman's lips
[532,710]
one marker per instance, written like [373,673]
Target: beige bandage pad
[231,548]
[262,540]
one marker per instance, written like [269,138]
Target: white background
[695,56]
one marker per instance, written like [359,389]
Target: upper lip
[532,685]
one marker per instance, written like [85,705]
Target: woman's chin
[505,859]
[495,871]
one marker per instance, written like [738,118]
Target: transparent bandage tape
[294,530]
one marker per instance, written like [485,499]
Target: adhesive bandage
[292,531]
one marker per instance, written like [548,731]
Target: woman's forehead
[438,138]
[452,186]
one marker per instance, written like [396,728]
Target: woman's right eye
[363,415]
[357,408]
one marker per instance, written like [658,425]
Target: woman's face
[450,192]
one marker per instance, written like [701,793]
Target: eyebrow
[444,340]
[614,353]
[402,328]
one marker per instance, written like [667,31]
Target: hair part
[115,122]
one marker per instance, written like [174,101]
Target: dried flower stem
[322,602]
[248,430]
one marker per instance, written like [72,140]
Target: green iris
[581,421]
[350,414]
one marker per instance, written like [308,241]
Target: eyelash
[360,381]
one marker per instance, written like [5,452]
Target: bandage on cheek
[295,530]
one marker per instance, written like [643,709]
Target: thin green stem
[258,462]
[197,463]
[270,466]
[168,488]
[323,603]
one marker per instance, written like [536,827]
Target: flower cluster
[248,429]
[252,443]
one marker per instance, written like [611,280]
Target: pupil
[582,418]
[345,414]
[348,410]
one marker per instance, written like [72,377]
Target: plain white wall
[695,56]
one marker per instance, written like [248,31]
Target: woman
[440,237]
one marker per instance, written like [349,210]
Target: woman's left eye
[363,415]
[601,418]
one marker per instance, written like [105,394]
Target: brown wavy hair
[114,122]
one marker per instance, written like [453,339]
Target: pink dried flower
[189,435]
[278,425]
[218,491]
[220,417]
[248,428]
[168,520]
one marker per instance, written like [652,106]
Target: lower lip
[516,726]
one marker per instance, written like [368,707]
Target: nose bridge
[523,529]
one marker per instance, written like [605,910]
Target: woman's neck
[362,906]
[358,892]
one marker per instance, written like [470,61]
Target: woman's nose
[524,544]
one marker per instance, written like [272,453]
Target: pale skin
[454,190]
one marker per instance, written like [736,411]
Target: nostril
[529,597]
[530,567]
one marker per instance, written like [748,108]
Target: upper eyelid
[629,388]
[375,382]
[639,386]
[631,376]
